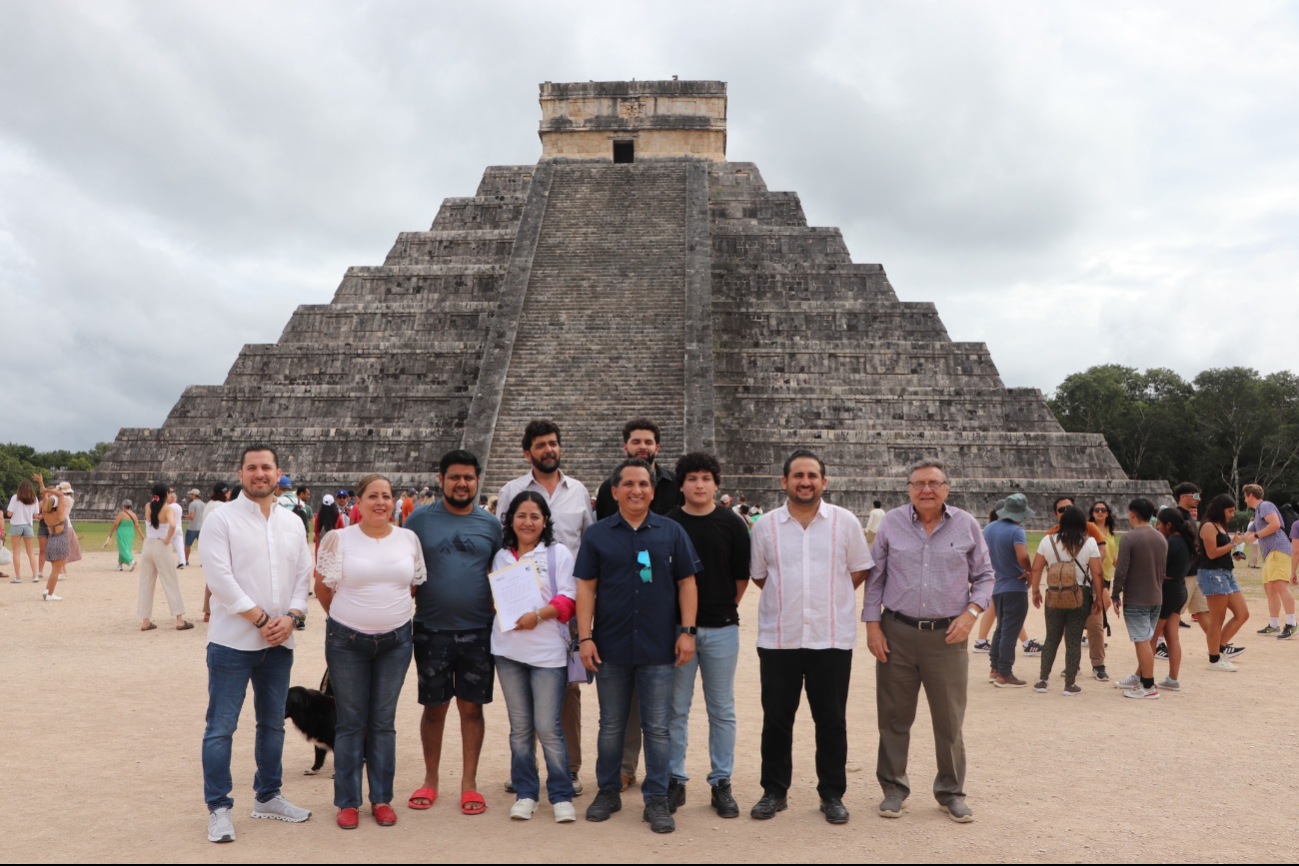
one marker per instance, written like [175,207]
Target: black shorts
[454,664]
[1174,598]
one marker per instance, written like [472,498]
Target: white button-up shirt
[570,506]
[808,601]
[252,561]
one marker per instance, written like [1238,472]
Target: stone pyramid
[632,271]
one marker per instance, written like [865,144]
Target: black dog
[312,713]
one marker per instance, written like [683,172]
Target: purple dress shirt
[928,576]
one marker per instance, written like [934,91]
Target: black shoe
[1183,623]
[768,806]
[834,810]
[659,816]
[723,802]
[676,795]
[604,805]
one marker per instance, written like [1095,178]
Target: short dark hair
[509,538]
[698,461]
[633,463]
[536,429]
[639,424]
[258,446]
[800,454]
[879,504]
[1184,488]
[302,488]
[459,457]
[1142,507]
[1055,506]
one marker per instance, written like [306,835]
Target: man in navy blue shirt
[636,605]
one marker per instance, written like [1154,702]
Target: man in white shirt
[570,514]
[873,521]
[258,567]
[808,558]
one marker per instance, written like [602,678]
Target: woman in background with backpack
[1068,555]
[1181,543]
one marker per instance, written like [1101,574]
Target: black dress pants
[784,676]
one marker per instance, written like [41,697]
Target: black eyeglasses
[1100,511]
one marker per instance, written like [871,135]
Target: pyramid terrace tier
[431,284]
[480,212]
[439,364]
[380,403]
[778,244]
[873,363]
[395,321]
[773,282]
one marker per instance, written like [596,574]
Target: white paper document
[517,590]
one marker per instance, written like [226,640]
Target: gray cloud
[1071,184]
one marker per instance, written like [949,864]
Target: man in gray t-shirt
[194,512]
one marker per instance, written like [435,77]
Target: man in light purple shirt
[931,579]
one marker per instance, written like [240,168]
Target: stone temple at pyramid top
[633,121]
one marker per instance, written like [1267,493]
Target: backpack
[302,514]
[1062,589]
[1288,517]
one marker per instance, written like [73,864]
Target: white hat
[327,500]
[65,487]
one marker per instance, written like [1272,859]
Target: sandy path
[101,761]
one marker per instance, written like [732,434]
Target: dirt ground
[103,725]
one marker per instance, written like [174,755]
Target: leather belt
[922,624]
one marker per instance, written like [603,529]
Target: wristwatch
[299,619]
[973,610]
[690,630]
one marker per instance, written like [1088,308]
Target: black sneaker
[1183,623]
[1032,648]
[604,805]
[676,795]
[1230,652]
[658,816]
[1099,673]
[723,801]
[1161,652]
[1287,633]
[768,806]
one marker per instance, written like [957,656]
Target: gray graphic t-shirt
[458,553]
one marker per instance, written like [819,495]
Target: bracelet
[585,639]
[262,620]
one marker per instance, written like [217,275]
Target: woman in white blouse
[365,577]
[532,659]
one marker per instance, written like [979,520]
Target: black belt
[922,624]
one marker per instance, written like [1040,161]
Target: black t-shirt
[1179,558]
[1195,530]
[722,541]
[667,495]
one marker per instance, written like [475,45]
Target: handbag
[577,672]
[6,558]
[1062,589]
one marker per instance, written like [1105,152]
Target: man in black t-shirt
[721,540]
[640,438]
[1188,503]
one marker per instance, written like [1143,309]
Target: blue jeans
[366,672]
[228,673]
[716,652]
[653,684]
[1012,610]
[534,699]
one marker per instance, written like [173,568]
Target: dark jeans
[228,674]
[614,684]
[366,672]
[1012,610]
[825,675]
[534,699]
[1068,624]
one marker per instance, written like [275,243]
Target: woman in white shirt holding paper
[532,659]
[366,574]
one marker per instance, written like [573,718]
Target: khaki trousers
[921,658]
[158,564]
[571,719]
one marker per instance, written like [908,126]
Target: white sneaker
[522,809]
[1142,692]
[45,595]
[279,809]
[1222,665]
[134,563]
[1128,683]
[565,813]
[1169,684]
[219,826]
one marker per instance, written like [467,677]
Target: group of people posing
[640,596]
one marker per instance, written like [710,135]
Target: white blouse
[371,577]
[545,646]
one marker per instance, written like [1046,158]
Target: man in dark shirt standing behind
[453,622]
[721,539]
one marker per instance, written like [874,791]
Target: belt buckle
[925,624]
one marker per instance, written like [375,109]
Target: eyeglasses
[926,485]
[646,572]
[1100,511]
[1062,510]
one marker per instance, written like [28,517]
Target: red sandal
[423,794]
[472,797]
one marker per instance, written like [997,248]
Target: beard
[545,465]
[456,502]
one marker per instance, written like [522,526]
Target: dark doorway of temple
[624,151]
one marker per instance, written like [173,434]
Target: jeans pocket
[339,637]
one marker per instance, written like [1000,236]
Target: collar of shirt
[651,521]
[822,512]
[915,515]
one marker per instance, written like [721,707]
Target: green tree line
[18,462]
[1224,428]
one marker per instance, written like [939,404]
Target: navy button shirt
[636,622]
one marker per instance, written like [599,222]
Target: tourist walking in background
[259,568]
[532,659]
[636,606]
[1101,516]
[177,538]
[23,512]
[126,525]
[1188,503]
[327,520]
[1072,561]
[221,494]
[1139,593]
[54,515]
[365,577]
[569,503]
[989,617]
[307,513]
[194,512]
[1268,530]
[918,613]
[1218,582]
[1008,551]
[453,622]
[721,539]
[1181,544]
[158,562]
[873,521]
[808,558]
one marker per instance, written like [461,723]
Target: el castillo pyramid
[633,270]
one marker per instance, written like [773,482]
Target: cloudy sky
[1072,183]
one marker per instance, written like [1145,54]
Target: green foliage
[1225,428]
[19,462]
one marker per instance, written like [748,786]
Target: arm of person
[563,606]
[858,555]
[741,558]
[1121,567]
[329,570]
[280,629]
[590,653]
[1035,578]
[1098,584]
[1209,537]
[1021,557]
[168,517]
[982,577]
[873,596]
[219,574]
[1272,524]
[688,600]
[112,530]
